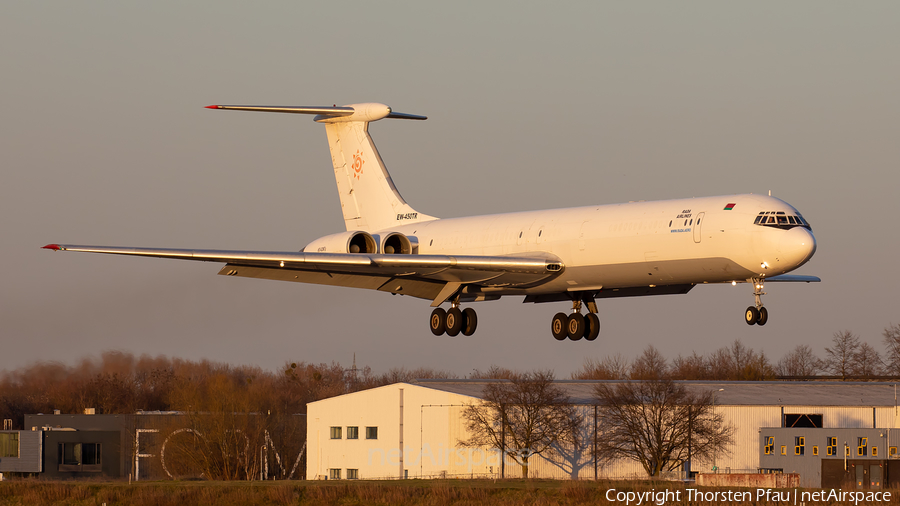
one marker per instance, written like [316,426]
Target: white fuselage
[671,242]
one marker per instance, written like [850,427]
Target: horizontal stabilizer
[326,114]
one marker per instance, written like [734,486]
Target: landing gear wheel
[470,321]
[593,326]
[559,326]
[763,316]
[751,315]
[454,321]
[438,321]
[576,326]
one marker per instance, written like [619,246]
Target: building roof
[728,393]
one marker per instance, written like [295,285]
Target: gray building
[830,457]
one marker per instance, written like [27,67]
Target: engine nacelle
[344,242]
[395,243]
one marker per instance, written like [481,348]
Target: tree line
[122,383]
[847,358]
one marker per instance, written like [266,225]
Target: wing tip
[54,247]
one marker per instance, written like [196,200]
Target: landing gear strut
[757,315]
[454,321]
[576,325]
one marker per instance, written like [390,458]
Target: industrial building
[412,430]
[141,446]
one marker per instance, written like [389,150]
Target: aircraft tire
[751,315]
[470,321]
[593,326]
[454,322]
[576,326]
[559,326]
[438,321]
[763,316]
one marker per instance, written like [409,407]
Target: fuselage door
[697,222]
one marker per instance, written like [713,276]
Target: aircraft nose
[797,246]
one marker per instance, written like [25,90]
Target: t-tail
[369,199]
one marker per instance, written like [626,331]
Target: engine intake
[344,242]
[396,243]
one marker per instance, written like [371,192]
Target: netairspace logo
[767,495]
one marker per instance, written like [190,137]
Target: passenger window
[692,221]
[670,223]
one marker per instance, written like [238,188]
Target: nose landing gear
[757,315]
[576,326]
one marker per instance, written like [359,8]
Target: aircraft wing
[433,277]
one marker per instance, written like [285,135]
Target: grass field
[343,493]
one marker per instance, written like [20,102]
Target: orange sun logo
[357,164]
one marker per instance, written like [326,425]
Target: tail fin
[369,199]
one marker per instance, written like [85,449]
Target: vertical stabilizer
[369,199]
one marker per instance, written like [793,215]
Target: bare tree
[523,416]
[739,363]
[610,368]
[840,357]
[694,367]
[866,361]
[801,361]
[892,343]
[659,423]
[495,372]
[651,364]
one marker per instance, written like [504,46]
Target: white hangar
[412,430]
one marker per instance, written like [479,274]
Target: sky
[104,140]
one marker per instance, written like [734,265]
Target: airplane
[576,255]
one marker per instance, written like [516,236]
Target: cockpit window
[780,219]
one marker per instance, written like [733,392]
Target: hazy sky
[104,140]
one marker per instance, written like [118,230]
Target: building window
[799,445]
[815,450]
[813,421]
[874,451]
[334,474]
[862,446]
[9,445]
[335,433]
[371,432]
[80,457]
[352,474]
[770,445]
[352,433]
[831,446]
[783,450]
[892,451]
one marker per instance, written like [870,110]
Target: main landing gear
[454,321]
[758,314]
[576,325]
